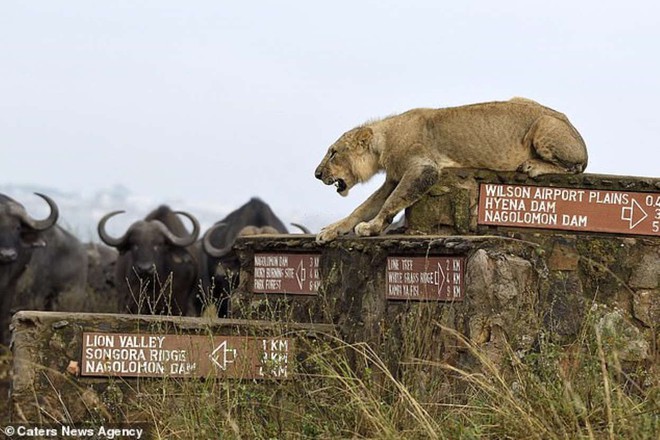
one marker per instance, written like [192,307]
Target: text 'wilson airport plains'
[577,209]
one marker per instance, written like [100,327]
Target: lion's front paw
[366,229]
[327,234]
[330,232]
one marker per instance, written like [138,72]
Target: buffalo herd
[157,266]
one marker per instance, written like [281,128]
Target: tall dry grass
[341,390]
[581,390]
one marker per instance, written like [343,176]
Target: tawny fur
[412,149]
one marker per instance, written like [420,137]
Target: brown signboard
[425,278]
[156,355]
[574,209]
[296,274]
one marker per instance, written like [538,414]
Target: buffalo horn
[110,241]
[175,239]
[38,225]
[209,248]
[302,228]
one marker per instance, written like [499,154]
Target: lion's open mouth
[340,185]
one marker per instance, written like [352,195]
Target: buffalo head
[42,266]
[147,241]
[19,231]
[154,248]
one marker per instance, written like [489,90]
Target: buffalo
[42,266]
[219,266]
[156,269]
[101,287]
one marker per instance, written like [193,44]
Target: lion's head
[350,160]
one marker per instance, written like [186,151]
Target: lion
[413,147]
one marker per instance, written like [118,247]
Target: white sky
[219,101]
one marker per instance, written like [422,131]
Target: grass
[5,366]
[579,391]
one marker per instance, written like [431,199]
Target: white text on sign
[286,273]
[570,209]
[425,278]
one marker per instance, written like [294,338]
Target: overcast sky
[219,101]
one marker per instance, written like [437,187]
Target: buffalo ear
[363,137]
[33,239]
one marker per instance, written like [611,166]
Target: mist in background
[203,105]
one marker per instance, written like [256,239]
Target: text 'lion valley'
[167,355]
[575,209]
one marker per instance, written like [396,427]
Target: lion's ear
[364,136]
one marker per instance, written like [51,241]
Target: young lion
[413,148]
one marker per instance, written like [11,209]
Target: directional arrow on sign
[440,274]
[223,355]
[301,274]
[634,213]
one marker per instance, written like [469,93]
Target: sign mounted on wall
[425,278]
[155,355]
[573,209]
[295,274]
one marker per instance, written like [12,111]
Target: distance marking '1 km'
[295,274]
[574,209]
[156,355]
[425,278]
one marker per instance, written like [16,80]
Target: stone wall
[520,283]
[451,206]
[503,288]
[49,385]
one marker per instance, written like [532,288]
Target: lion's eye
[332,154]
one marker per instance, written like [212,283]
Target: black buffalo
[156,269]
[219,265]
[101,287]
[42,266]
